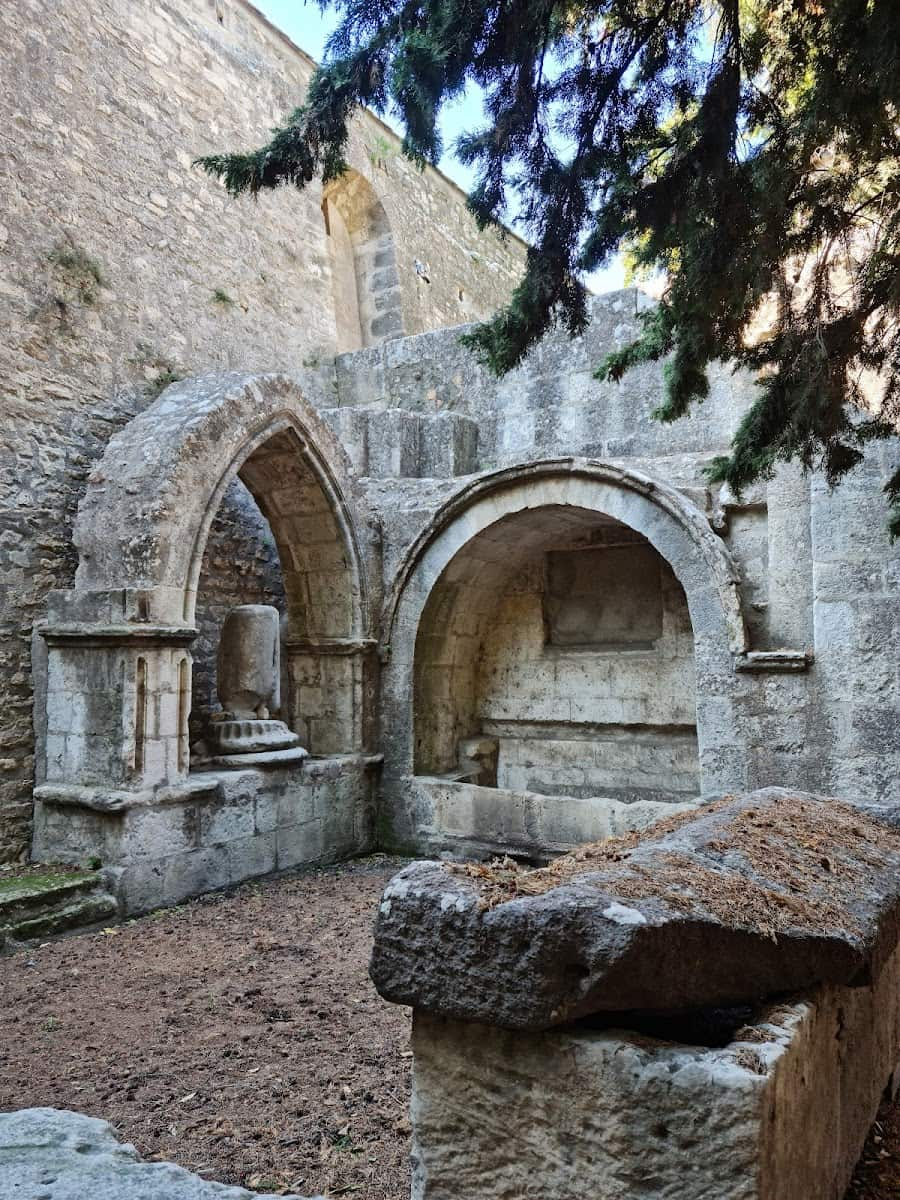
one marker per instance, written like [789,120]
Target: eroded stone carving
[249,687]
[478,760]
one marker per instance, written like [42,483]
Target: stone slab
[747,897]
[468,820]
[779,1112]
[52,1154]
[261,758]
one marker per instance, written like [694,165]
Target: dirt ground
[239,1036]
[877,1174]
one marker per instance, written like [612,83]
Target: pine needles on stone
[750,150]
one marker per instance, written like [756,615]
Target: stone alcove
[558,643]
[115,777]
[509,616]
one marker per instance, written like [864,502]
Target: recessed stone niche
[608,598]
[562,638]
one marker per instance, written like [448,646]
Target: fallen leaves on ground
[238,1035]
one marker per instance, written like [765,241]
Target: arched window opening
[365,279]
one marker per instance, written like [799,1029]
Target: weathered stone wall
[566,639]
[224,827]
[815,571]
[122,266]
[585,720]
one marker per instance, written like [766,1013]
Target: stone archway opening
[365,279]
[276,539]
[117,778]
[503,590]
[240,565]
[555,655]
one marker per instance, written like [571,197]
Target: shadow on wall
[555,655]
[365,278]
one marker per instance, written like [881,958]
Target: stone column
[248,683]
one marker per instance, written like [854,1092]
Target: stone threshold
[48,901]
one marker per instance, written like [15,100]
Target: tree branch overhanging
[748,150]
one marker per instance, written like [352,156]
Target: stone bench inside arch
[705,1010]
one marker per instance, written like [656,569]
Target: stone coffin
[566,1039]
[745,898]
[781,1112]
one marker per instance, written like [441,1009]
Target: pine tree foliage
[748,149]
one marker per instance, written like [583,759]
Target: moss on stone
[19,886]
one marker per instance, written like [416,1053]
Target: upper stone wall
[123,267]
[552,403]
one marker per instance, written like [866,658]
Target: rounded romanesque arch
[445,597]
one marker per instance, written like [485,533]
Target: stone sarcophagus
[705,1010]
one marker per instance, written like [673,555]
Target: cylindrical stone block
[248,670]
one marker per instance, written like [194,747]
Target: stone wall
[123,267]
[593,719]
[225,826]
[813,698]
[564,638]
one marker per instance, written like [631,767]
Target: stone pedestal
[112,693]
[249,687]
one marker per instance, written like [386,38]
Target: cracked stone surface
[751,896]
[51,1154]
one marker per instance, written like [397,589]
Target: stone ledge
[111,800]
[117,635]
[773,661]
[259,759]
[330,646]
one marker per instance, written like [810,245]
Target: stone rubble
[51,1154]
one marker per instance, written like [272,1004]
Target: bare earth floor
[240,1037]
